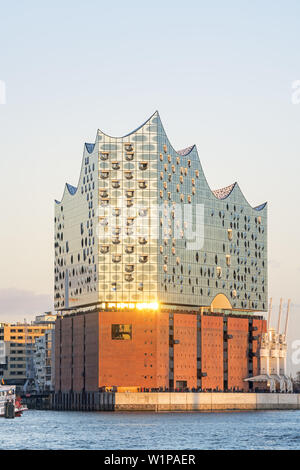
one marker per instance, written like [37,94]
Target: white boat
[7,393]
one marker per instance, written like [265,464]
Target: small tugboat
[10,406]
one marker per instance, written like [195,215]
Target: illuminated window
[115,184]
[116,211]
[142,184]
[143,165]
[128,175]
[129,193]
[103,156]
[104,174]
[129,156]
[128,146]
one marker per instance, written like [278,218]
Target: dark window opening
[122,332]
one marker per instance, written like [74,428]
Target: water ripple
[182,431]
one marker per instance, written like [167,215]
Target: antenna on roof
[279,316]
[269,314]
[287,316]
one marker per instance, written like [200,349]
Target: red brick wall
[78,343]
[128,362]
[162,349]
[72,377]
[238,352]
[66,354]
[144,360]
[57,354]
[212,351]
[91,351]
[261,328]
[185,353]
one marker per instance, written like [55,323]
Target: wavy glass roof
[221,193]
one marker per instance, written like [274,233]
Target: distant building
[19,342]
[161,280]
[43,361]
[45,318]
[273,353]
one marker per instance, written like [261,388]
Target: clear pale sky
[220,74]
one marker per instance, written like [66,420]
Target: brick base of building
[154,350]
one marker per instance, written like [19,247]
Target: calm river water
[112,431]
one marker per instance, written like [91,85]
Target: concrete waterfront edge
[205,401]
[160,402]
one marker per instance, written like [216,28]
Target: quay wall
[205,401]
[160,402]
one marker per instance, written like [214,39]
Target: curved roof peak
[186,151]
[155,119]
[72,189]
[156,113]
[260,207]
[223,193]
[89,147]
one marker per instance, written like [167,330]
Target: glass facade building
[143,226]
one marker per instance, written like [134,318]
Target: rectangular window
[181,384]
[121,332]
